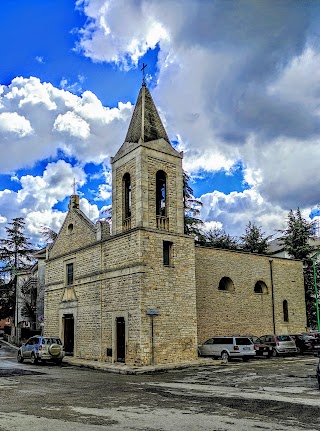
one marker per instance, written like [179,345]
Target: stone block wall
[76,232]
[243,311]
[170,290]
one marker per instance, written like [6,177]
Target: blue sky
[236,84]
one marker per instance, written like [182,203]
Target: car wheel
[58,361]
[275,353]
[245,359]
[33,359]
[225,356]
[19,357]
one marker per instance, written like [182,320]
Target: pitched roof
[145,122]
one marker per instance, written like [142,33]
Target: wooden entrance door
[68,324]
[121,339]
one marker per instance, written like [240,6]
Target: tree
[218,238]
[254,240]
[15,255]
[298,235]
[297,239]
[192,206]
[48,234]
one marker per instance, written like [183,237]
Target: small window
[69,270]
[226,284]
[161,194]
[70,227]
[260,287]
[285,311]
[167,253]
[127,195]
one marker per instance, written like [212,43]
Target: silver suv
[228,347]
[42,349]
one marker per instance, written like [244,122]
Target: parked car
[260,348]
[305,342]
[314,334]
[42,349]
[228,347]
[281,344]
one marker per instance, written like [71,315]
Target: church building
[145,293]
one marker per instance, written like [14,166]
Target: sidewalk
[120,368]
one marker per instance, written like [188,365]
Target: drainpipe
[272,296]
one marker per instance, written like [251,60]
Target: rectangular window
[69,268]
[167,253]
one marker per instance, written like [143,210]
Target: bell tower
[147,176]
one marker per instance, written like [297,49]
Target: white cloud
[39,59]
[73,125]
[38,195]
[120,32]
[233,211]
[11,122]
[38,119]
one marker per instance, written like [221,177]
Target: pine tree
[48,234]
[297,240]
[218,238]
[192,205]
[15,255]
[254,240]
[297,236]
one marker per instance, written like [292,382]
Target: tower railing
[126,223]
[162,222]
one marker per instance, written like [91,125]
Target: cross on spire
[143,73]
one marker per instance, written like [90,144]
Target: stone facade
[241,310]
[145,294]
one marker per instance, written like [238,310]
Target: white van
[228,347]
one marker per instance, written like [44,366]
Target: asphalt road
[265,394]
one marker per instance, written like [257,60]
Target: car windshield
[283,338]
[243,341]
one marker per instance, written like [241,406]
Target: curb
[123,369]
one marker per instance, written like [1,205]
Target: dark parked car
[305,343]
[42,349]
[261,348]
[281,344]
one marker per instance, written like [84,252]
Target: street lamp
[314,258]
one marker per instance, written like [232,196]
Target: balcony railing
[126,223]
[162,223]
